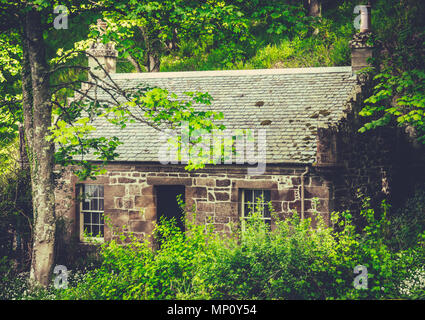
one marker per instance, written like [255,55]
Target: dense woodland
[43,62]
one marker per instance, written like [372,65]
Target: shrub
[291,261]
[408,221]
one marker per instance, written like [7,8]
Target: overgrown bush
[293,260]
[15,221]
[408,221]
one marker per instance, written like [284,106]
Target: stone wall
[380,163]
[214,193]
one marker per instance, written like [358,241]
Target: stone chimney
[361,50]
[102,54]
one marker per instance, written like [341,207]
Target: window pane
[267,211]
[95,230]
[88,191]
[247,210]
[101,231]
[266,195]
[100,204]
[100,191]
[87,218]
[95,191]
[247,196]
[86,204]
[94,205]
[258,194]
[95,218]
[87,229]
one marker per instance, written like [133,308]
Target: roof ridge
[244,72]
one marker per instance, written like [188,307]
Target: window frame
[82,211]
[254,203]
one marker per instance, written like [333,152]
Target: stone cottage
[312,150]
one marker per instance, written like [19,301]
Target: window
[91,212]
[253,199]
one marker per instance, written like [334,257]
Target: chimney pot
[365,18]
[361,49]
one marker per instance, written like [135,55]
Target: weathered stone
[204,206]
[149,213]
[222,183]
[198,192]
[316,192]
[144,201]
[296,181]
[141,226]
[169,181]
[277,206]
[148,191]
[286,195]
[226,209]
[128,203]
[222,189]
[119,218]
[316,181]
[295,205]
[222,196]
[262,177]
[126,180]
[113,191]
[221,219]
[135,215]
[204,182]
[118,203]
[211,197]
[134,189]
[255,184]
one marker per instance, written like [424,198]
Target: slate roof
[296,101]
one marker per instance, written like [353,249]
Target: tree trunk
[153,51]
[153,62]
[41,154]
[313,7]
[134,63]
[173,44]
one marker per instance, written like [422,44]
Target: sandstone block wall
[214,193]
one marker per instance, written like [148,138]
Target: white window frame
[82,212]
[253,203]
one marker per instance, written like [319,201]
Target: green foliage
[296,259]
[131,269]
[399,83]
[295,49]
[10,68]
[15,219]
[281,18]
[146,29]
[408,221]
[156,107]
[399,97]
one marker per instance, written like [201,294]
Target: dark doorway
[166,203]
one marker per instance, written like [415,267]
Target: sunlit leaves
[155,107]
[398,97]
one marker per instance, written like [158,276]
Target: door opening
[167,205]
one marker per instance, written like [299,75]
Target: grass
[295,53]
